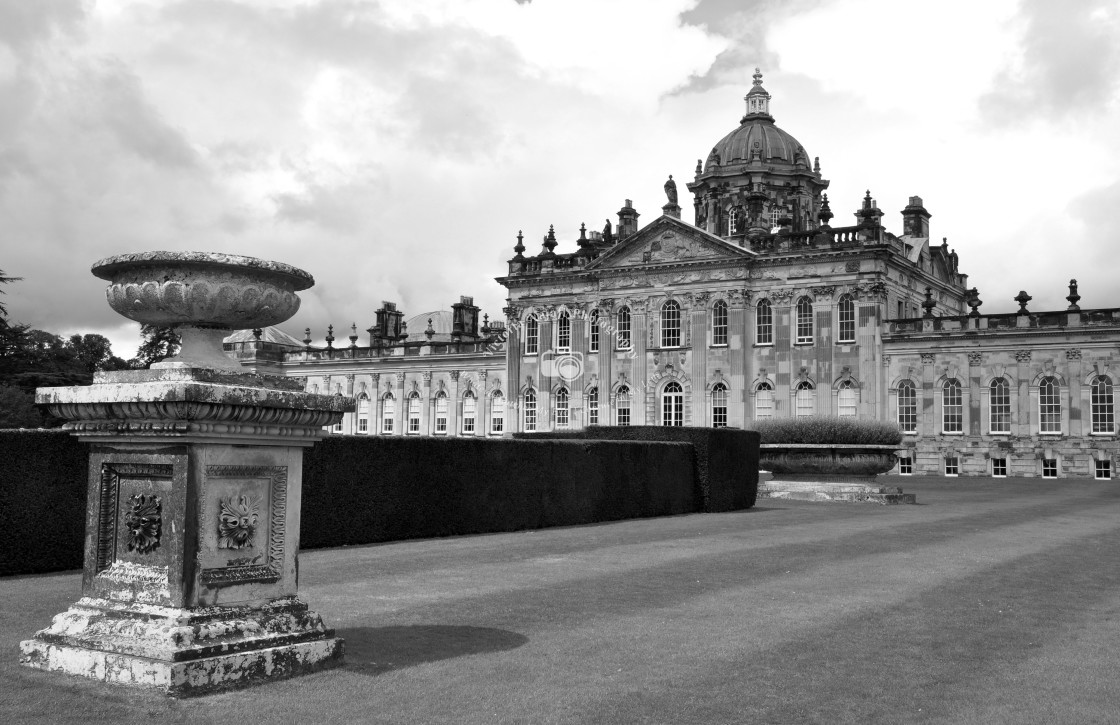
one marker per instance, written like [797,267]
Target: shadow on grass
[374,650]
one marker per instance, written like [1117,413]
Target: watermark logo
[565,365]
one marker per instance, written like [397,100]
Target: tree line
[31,359]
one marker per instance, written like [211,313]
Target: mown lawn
[989,602]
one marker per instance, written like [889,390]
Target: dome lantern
[758,100]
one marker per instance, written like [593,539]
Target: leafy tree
[17,409]
[159,343]
[94,352]
[5,279]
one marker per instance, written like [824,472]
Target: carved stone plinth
[192,531]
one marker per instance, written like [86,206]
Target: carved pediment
[669,241]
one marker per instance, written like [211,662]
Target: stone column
[455,409]
[400,425]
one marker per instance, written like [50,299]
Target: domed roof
[762,136]
[441,323]
[268,334]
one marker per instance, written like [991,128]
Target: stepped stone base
[184,652]
[851,492]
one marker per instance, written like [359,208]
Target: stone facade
[759,308]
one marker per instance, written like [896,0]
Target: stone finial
[816,164]
[928,304]
[353,335]
[699,167]
[330,336]
[825,214]
[1073,296]
[519,248]
[307,337]
[1023,298]
[550,239]
[431,331]
[973,300]
[257,333]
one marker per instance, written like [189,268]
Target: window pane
[952,419]
[564,331]
[388,412]
[670,324]
[847,314]
[805,400]
[1103,411]
[763,401]
[907,407]
[529,407]
[497,413]
[846,400]
[469,409]
[764,323]
[1049,406]
[532,335]
[622,406]
[623,331]
[562,417]
[719,323]
[804,321]
[719,406]
[593,406]
[594,331]
[672,405]
[999,406]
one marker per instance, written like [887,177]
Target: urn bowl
[201,289]
[201,295]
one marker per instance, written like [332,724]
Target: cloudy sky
[394,149]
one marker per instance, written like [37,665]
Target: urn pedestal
[823,472]
[193,518]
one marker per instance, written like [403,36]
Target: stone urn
[203,296]
[829,472]
[190,581]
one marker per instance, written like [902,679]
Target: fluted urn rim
[109,267]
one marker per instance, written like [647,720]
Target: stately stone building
[760,308]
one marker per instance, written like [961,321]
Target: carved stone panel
[244,510]
[130,514]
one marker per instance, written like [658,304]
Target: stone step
[840,492]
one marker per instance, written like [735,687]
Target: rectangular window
[905,466]
[594,331]
[846,401]
[763,402]
[764,323]
[468,415]
[388,412]
[363,425]
[1049,467]
[719,323]
[622,408]
[593,407]
[530,410]
[623,328]
[804,321]
[847,319]
[414,415]
[1103,470]
[337,428]
[497,414]
[907,407]
[1049,406]
[441,415]
[952,414]
[999,468]
[952,466]
[999,406]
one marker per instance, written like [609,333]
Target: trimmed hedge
[42,501]
[822,430]
[359,490]
[726,458]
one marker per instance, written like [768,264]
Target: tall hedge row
[726,464]
[359,490]
[42,501]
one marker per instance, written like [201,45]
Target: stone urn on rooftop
[195,473]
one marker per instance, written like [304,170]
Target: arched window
[1101,405]
[564,331]
[622,406]
[719,405]
[441,413]
[1049,406]
[529,410]
[846,311]
[414,413]
[846,399]
[733,221]
[907,407]
[952,410]
[497,412]
[672,405]
[764,323]
[804,400]
[388,412]
[764,401]
[804,321]
[622,329]
[363,414]
[671,324]
[470,412]
[532,335]
[719,323]
[594,325]
[593,406]
[561,408]
[999,406]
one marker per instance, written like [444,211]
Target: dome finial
[758,100]
[757,76]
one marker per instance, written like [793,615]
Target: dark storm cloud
[746,25]
[1070,64]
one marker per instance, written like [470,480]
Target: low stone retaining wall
[360,490]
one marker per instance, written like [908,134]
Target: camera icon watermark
[565,365]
